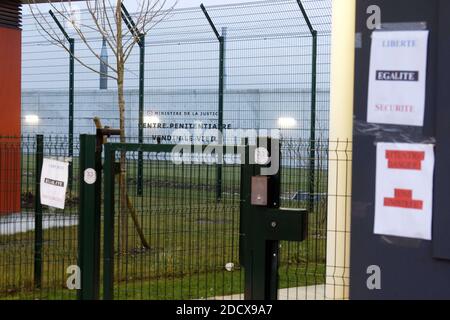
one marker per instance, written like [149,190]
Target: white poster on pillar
[404,190]
[397,77]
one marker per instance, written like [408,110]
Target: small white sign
[54,177]
[90,176]
[404,190]
[397,77]
[261,156]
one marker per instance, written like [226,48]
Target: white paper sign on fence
[397,77]
[404,190]
[54,177]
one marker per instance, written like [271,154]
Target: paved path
[24,222]
[300,293]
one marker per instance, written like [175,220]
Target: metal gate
[177,239]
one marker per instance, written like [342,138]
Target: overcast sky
[132,4]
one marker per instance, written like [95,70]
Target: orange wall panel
[10,122]
[10,81]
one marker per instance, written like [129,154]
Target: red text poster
[404,190]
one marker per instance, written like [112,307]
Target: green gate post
[140,187]
[263,225]
[38,237]
[71,108]
[312,163]
[108,239]
[71,92]
[221,39]
[221,91]
[312,146]
[245,220]
[89,220]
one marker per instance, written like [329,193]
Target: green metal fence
[37,243]
[180,241]
[261,61]
[177,242]
[271,64]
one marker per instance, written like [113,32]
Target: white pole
[340,155]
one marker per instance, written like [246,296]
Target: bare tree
[105,20]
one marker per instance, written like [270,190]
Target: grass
[180,265]
[200,286]
[189,249]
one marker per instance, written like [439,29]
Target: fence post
[39,157]
[312,146]
[71,107]
[71,91]
[312,160]
[108,239]
[221,40]
[141,42]
[140,186]
[220,120]
[89,220]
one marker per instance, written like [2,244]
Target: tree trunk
[123,216]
